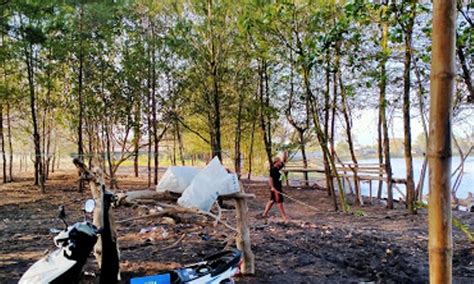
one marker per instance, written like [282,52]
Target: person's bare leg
[267,208]
[282,211]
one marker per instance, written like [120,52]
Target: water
[398,168]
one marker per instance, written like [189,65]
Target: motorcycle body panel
[47,269]
[213,270]
[64,265]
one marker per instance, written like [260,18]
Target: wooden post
[370,191]
[243,236]
[443,73]
[109,265]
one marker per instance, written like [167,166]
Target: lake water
[398,168]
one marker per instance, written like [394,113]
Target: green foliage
[359,213]
[420,204]
[464,228]
[194,53]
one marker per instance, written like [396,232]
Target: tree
[383,103]
[31,35]
[406,21]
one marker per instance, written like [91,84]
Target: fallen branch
[159,214]
[175,243]
[131,197]
[176,209]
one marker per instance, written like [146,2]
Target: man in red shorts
[275,189]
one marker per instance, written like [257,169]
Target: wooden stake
[439,144]
[242,239]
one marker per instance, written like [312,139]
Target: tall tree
[383,101]
[2,146]
[32,38]
[80,142]
[408,9]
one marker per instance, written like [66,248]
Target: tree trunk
[216,96]
[80,143]
[379,153]
[421,104]
[46,126]
[459,171]
[150,128]
[410,184]
[47,147]
[299,127]
[347,120]
[6,178]
[303,156]
[153,114]
[383,107]
[10,144]
[39,176]
[109,152]
[180,144]
[252,140]
[443,73]
[327,125]
[2,146]
[55,155]
[331,138]
[264,101]
[238,137]
[93,154]
[323,142]
[136,136]
[466,75]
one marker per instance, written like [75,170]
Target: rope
[300,202]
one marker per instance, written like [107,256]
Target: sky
[365,126]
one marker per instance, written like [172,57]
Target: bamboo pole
[439,149]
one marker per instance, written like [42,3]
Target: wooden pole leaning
[97,185]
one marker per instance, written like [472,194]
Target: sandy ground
[317,246]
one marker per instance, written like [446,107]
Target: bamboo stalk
[439,149]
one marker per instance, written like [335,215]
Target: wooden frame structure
[242,240]
[365,173]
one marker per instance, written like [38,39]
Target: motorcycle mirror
[89,205]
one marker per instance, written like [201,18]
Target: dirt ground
[317,246]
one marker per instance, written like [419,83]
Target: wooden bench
[366,173]
[299,168]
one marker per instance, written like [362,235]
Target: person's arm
[270,183]
[276,195]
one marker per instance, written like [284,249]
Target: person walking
[276,187]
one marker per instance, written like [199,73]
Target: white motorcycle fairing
[48,268]
[74,245]
[208,279]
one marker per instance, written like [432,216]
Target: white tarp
[176,179]
[207,185]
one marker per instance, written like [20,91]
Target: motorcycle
[74,245]
[216,269]
[76,242]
